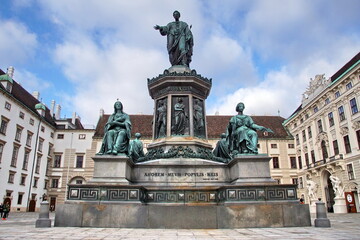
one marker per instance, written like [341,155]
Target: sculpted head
[138,135]
[118,106]
[240,107]
[176,15]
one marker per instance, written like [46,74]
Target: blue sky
[85,54]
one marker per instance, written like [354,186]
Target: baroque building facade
[326,128]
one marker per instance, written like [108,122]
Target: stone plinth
[250,169]
[321,215]
[43,220]
[183,216]
[340,205]
[112,169]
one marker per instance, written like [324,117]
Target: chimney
[10,71]
[73,118]
[52,107]
[36,95]
[101,112]
[57,111]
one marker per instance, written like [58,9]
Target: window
[31,121]
[307,159]
[316,109]
[82,136]
[29,138]
[304,135]
[38,162]
[18,133]
[52,134]
[26,160]
[324,149]
[350,171]
[299,162]
[297,139]
[79,161]
[290,145]
[301,120]
[14,156]
[60,136]
[347,144]
[42,128]
[55,183]
[1,150]
[41,144]
[57,161]
[348,86]
[309,132]
[336,147]
[46,183]
[21,115]
[327,101]
[306,116]
[20,198]
[3,126]
[273,145]
[36,180]
[79,181]
[341,113]
[313,156]
[294,181]
[23,179]
[337,94]
[320,128]
[295,125]
[353,106]
[301,185]
[49,149]
[331,119]
[7,106]
[11,177]
[275,162]
[293,162]
[357,136]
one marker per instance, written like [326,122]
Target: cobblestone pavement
[22,226]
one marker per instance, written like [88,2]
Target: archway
[329,191]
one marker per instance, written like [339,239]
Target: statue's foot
[108,152]
[114,152]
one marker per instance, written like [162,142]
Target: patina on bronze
[241,133]
[180,40]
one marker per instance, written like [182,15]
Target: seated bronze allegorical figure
[117,133]
[241,133]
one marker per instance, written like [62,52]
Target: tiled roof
[342,70]
[215,125]
[19,93]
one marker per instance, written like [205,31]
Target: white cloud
[100,76]
[17,43]
[30,81]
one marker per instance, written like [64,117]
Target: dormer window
[348,86]
[337,94]
[327,101]
[316,109]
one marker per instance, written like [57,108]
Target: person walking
[6,210]
[1,209]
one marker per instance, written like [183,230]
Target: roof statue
[180,41]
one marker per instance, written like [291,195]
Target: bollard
[321,215]
[44,220]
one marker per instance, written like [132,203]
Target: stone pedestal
[340,205]
[43,220]
[111,169]
[313,205]
[321,215]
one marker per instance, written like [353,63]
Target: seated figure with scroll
[241,133]
[117,132]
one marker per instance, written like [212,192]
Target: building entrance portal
[329,192]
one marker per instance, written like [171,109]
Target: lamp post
[40,108]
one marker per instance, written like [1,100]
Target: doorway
[329,192]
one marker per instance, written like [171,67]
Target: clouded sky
[85,54]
